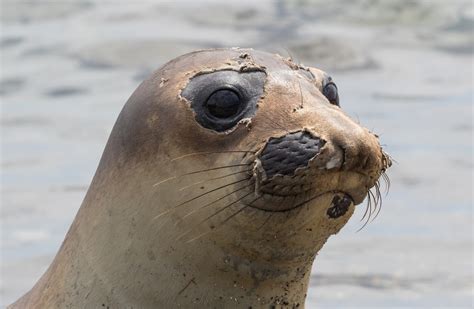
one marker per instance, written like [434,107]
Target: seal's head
[226,172]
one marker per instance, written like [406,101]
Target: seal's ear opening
[221,99]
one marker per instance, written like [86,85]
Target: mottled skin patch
[171,197]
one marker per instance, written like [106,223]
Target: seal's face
[306,146]
[247,138]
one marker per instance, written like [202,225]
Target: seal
[224,175]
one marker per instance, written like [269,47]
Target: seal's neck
[116,256]
[206,279]
[224,281]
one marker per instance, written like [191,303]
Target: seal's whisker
[266,221]
[219,199]
[375,209]
[214,214]
[215,178]
[227,206]
[200,171]
[223,222]
[165,180]
[365,223]
[195,238]
[379,198]
[387,182]
[226,220]
[369,201]
[377,189]
[374,199]
[369,206]
[198,196]
[217,168]
[213,190]
[239,211]
[308,200]
[210,152]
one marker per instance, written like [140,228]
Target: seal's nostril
[285,154]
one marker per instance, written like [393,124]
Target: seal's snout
[283,155]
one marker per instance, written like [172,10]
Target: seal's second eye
[223,103]
[330,92]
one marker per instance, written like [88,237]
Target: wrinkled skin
[182,215]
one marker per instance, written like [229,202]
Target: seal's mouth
[277,203]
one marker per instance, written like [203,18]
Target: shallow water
[404,70]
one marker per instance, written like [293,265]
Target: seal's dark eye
[223,98]
[330,92]
[223,103]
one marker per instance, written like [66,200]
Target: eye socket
[330,92]
[223,103]
[221,99]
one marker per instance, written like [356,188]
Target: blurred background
[404,69]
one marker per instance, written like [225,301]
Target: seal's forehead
[235,58]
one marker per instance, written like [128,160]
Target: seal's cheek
[291,235]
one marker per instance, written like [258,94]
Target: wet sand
[404,70]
